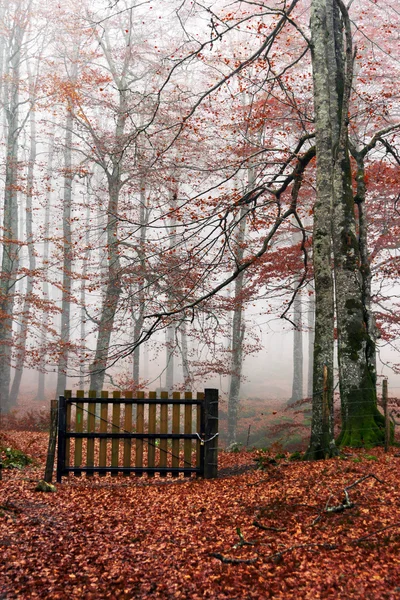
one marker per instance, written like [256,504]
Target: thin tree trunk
[115,182]
[297,379]
[113,286]
[26,311]
[46,254]
[311,331]
[62,366]
[171,328]
[85,260]
[138,309]
[187,377]
[238,327]
[10,246]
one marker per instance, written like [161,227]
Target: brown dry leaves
[136,538]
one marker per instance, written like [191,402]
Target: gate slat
[103,429]
[187,444]
[67,395]
[151,447]
[199,408]
[176,416]
[128,427]
[163,429]
[78,429]
[139,429]
[116,415]
[91,423]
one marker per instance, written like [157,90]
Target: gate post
[210,433]
[62,430]
[48,475]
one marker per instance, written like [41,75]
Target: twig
[276,557]
[242,541]
[364,537]
[260,526]
[234,561]
[347,503]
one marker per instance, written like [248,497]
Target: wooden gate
[138,435]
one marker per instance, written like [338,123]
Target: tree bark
[238,328]
[10,245]
[311,330]
[171,329]
[62,366]
[139,306]
[45,262]
[322,443]
[362,423]
[297,379]
[26,310]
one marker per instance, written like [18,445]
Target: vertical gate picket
[103,429]
[187,444]
[78,429]
[199,430]
[163,429]
[67,395]
[139,429]
[91,424]
[210,433]
[116,415]
[128,428]
[176,417]
[151,446]
[61,438]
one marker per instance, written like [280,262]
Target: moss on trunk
[363,424]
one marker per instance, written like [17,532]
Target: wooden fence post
[386,412]
[51,450]
[210,433]
[62,430]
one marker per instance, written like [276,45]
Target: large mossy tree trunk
[362,423]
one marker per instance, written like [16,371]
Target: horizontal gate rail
[141,470]
[132,401]
[133,436]
[140,436]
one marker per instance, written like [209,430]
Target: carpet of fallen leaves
[249,534]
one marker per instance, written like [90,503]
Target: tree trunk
[362,423]
[139,306]
[297,379]
[365,268]
[171,329]
[46,254]
[115,182]
[85,260]
[238,327]
[322,443]
[62,366]
[113,286]
[26,311]
[10,249]
[187,377]
[311,329]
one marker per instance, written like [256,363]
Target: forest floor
[250,534]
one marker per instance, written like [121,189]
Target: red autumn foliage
[251,534]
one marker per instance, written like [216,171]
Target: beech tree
[18,19]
